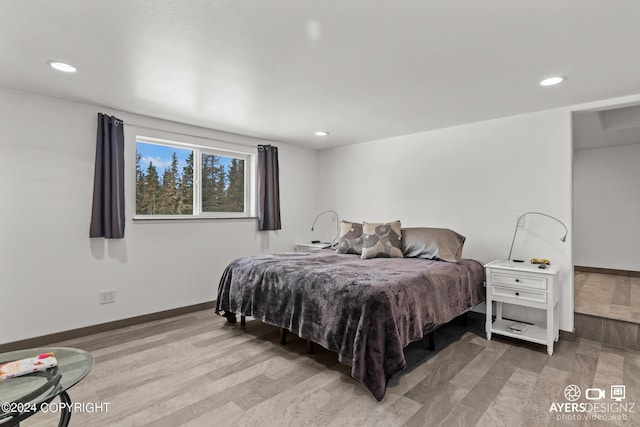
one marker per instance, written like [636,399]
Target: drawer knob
[517,280]
[517,294]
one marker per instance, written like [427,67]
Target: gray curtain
[268,188]
[107,213]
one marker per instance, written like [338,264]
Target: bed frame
[413,290]
[429,333]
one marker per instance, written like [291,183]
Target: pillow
[350,238]
[381,240]
[432,243]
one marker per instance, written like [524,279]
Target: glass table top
[73,365]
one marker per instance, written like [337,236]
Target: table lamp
[337,224]
[562,239]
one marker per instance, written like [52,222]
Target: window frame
[217,148]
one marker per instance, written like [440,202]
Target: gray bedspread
[366,310]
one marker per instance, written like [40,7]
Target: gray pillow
[382,240]
[432,243]
[350,238]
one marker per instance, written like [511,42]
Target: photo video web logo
[608,403]
[618,393]
[572,393]
[594,394]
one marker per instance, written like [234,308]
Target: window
[179,180]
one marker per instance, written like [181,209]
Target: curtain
[268,188]
[107,213]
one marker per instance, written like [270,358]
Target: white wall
[474,179]
[51,272]
[607,207]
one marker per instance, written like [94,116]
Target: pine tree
[213,182]
[185,204]
[152,191]
[140,186]
[221,189]
[169,197]
[235,189]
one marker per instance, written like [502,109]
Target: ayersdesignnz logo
[597,406]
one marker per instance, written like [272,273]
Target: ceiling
[362,70]
[606,128]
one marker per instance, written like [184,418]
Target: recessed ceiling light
[322,133]
[551,81]
[61,66]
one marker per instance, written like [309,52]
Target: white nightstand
[311,247]
[528,286]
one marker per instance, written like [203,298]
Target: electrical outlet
[108,296]
[520,221]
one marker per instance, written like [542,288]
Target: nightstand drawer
[519,280]
[519,294]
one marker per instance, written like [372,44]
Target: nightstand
[311,247]
[528,286]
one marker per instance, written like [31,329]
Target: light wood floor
[192,370]
[607,295]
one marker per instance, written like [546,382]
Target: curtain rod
[192,135]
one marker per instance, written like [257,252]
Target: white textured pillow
[382,240]
[350,241]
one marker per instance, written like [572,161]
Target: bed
[365,310]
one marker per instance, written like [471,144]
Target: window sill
[151,219]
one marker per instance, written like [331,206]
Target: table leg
[65,412]
[489,319]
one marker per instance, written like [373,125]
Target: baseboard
[606,271]
[102,327]
[568,336]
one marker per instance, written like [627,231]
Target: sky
[160,155]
